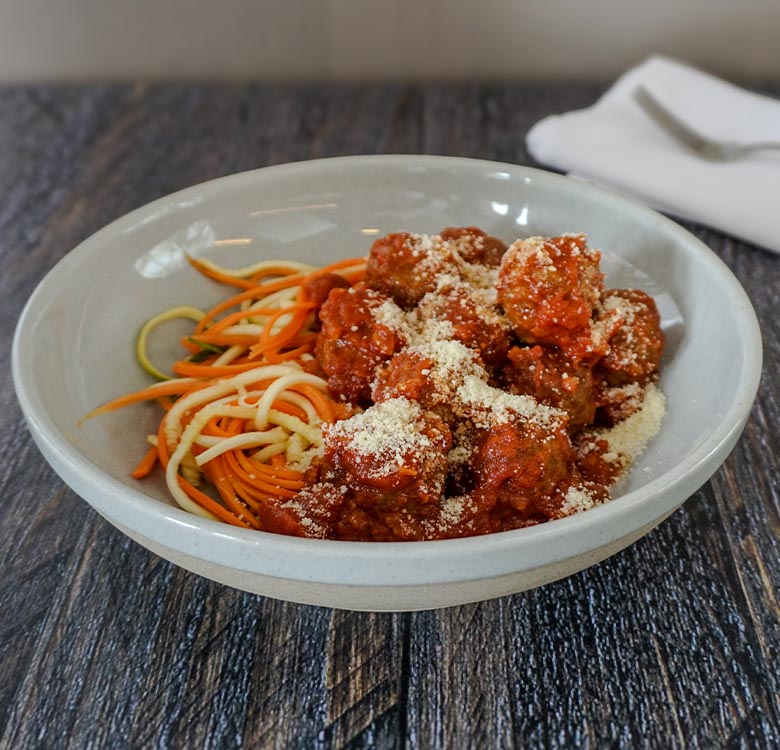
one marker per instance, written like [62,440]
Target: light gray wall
[351,39]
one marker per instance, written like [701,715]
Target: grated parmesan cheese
[387,433]
[452,363]
[629,438]
[487,406]
[577,500]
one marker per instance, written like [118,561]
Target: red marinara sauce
[485,380]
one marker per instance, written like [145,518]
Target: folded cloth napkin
[617,144]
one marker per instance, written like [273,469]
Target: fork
[707,148]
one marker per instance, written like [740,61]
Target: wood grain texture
[672,643]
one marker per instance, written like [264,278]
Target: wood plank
[363,678]
[459,680]
[287,696]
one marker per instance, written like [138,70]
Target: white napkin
[617,144]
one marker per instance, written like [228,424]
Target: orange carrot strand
[146,464]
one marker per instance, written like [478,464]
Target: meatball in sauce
[496,387]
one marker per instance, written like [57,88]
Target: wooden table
[673,643]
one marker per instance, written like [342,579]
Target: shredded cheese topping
[387,433]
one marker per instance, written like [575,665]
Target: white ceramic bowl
[74,342]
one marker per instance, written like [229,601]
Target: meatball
[318,288]
[393,457]
[394,447]
[548,375]
[429,374]
[311,513]
[352,343]
[405,266]
[476,322]
[459,516]
[634,350]
[616,403]
[549,287]
[596,463]
[407,375]
[475,246]
[517,467]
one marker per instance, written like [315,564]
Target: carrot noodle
[241,418]
[146,464]
[158,390]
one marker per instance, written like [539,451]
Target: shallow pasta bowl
[73,350]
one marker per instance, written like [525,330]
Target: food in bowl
[446,386]
[66,359]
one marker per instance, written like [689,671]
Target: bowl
[73,350]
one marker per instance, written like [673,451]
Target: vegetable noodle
[244,409]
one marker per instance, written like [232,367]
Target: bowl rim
[86,478]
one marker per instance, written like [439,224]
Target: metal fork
[707,148]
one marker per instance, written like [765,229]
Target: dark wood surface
[673,643]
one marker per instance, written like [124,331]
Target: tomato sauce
[484,381]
